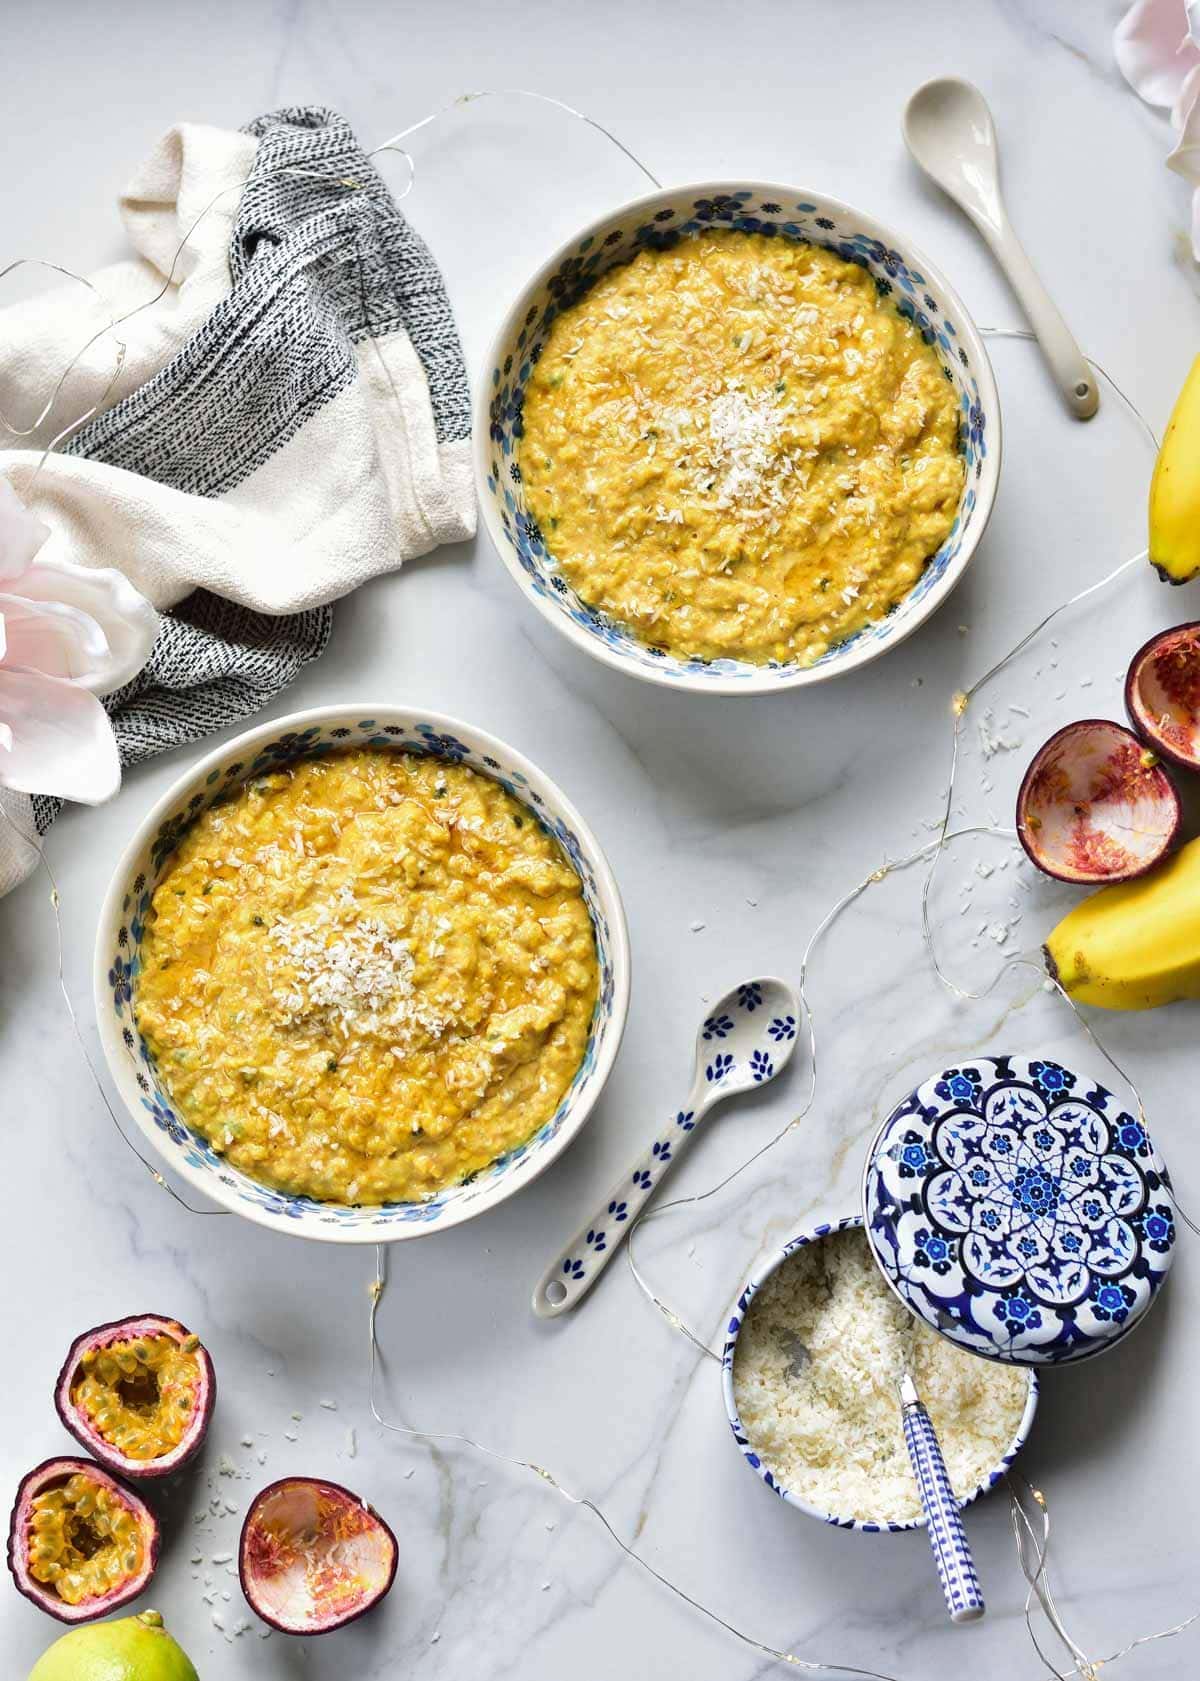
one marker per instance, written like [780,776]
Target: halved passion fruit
[138,1394]
[1162,694]
[1096,805]
[313,1556]
[79,1544]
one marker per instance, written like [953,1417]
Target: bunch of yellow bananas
[1175,489]
[1137,944]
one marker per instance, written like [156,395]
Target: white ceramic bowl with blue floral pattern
[118,955]
[901,272]
[737,1319]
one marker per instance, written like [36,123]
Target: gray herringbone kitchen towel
[292,402]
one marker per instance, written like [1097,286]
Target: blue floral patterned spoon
[746,1040]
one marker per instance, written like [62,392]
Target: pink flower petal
[125,619]
[50,637]
[1185,159]
[1183,106]
[21,536]
[61,739]
[1154,50]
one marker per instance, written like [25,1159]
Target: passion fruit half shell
[80,1544]
[1162,694]
[1096,805]
[314,1556]
[138,1394]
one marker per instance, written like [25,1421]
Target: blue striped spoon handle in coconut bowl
[744,1042]
[947,1537]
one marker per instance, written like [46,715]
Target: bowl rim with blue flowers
[1019,1207]
[314,733]
[657,220]
[866,1526]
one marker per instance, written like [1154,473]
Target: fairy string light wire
[1028,1508]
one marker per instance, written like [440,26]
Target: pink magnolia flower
[1157,48]
[68,634]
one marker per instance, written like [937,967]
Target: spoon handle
[1072,372]
[569,1278]
[947,1537]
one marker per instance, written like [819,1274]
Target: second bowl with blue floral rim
[901,272]
[1021,1209]
[763,1471]
[122,925]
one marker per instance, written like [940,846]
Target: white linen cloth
[363,485]
[290,419]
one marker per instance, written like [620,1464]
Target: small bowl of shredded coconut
[816,1344]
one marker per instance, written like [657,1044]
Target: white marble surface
[750,816]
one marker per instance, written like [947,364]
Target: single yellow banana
[1175,489]
[1134,945]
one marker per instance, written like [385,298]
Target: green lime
[134,1649]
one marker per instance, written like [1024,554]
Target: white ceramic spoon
[949,131]
[745,1041]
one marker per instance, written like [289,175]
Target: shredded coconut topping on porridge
[359,973]
[743,432]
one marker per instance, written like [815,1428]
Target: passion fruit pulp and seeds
[80,1544]
[138,1393]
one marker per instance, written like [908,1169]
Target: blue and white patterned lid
[1020,1209]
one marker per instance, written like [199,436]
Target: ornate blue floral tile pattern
[179,1144]
[752,1458]
[914,295]
[1019,1208]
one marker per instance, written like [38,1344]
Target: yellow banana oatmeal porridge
[366,976]
[739,449]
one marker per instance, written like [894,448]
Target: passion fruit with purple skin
[314,1556]
[80,1544]
[1096,806]
[1162,694]
[138,1394]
